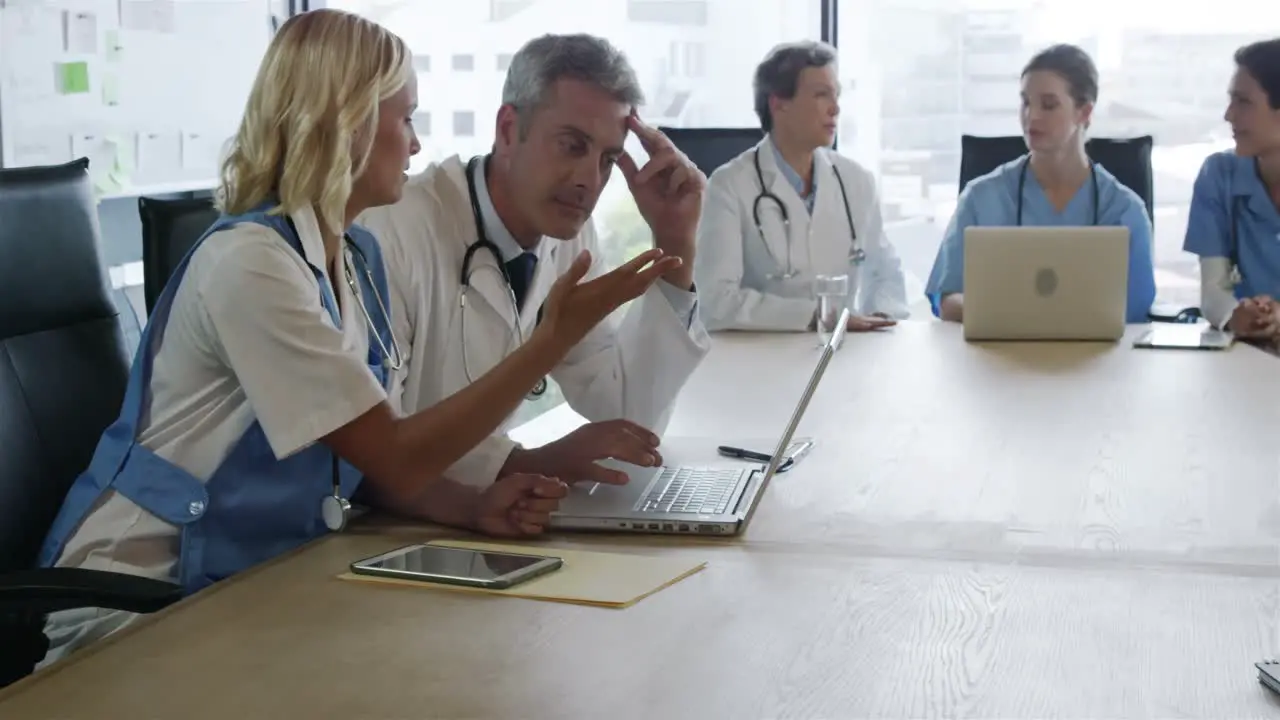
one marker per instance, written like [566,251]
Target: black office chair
[63,371]
[1128,159]
[169,229]
[709,148]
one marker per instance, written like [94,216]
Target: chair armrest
[46,590]
[1174,314]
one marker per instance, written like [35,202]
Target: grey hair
[779,73]
[537,66]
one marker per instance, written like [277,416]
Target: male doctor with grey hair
[474,246]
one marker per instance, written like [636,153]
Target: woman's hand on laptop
[573,457]
[518,505]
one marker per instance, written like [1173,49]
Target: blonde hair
[311,117]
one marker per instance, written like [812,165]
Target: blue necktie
[520,269]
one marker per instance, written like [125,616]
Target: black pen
[743,454]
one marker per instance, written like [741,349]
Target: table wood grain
[1009,531]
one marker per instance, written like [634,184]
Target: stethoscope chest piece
[539,389]
[335,510]
[858,256]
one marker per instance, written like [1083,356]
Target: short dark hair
[1262,61]
[779,73]
[1071,64]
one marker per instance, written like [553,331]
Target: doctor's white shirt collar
[493,225]
[793,178]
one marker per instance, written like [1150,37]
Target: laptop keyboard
[704,491]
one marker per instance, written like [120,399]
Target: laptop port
[704,528]
[668,527]
[653,526]
[684,528]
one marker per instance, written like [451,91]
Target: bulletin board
[149,90]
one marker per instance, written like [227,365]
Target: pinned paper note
[113,50]
[72,77]
[147,15]
[159,155]
[41,148]
[110,90]
[93,146]
[199,150]
[30,38]
[80,32]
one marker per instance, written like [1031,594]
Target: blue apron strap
[111,456]
[327,298]
[137,396]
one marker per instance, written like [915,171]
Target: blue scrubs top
[1228,191]
[992,200]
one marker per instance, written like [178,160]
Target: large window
[917,74]
[926,71]
[695,59]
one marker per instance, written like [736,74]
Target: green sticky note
[113,49]
[115,178]
[73,78]
[122,164]
[110,90]
[108,184]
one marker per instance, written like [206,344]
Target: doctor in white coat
[474,246]
[790,209]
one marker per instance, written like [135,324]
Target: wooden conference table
[1016,531]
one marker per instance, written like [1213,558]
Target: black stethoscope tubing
[483,242]
[1093,181]
[857,254]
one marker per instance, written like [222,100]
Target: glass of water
[832,292]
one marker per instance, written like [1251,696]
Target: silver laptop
[699,500]
[1045,283]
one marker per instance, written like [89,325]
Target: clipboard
[598,579]
[1181,336]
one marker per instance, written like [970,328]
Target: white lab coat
[733,264]
[632,370]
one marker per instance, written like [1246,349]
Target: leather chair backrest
[63,362]
[1129,159]
[709,148]
[169,229]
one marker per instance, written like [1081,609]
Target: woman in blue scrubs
[1053,184]
[1234,225]
[257,408]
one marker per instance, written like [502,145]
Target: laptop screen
[833,344]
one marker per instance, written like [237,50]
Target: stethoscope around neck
[856,254]
[469,268]
[1234,277]
[1093,182]
[335,509]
